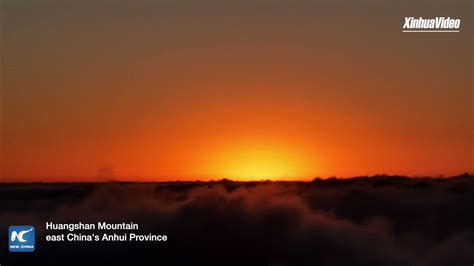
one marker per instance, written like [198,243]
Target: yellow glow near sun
[259,162]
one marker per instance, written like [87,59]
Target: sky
[186,90]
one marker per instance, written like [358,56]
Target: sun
[257,165]
[259,162]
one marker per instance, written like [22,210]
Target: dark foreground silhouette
[380,220]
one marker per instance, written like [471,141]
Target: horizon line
[307,180]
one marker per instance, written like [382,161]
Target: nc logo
[21,238]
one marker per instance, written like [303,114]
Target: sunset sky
[168,90]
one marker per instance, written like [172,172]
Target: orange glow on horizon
[245,161]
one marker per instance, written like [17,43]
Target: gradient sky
[166,90]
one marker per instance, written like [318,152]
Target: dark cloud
[362,221]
